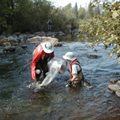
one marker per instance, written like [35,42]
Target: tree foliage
[105,29]
[32,15]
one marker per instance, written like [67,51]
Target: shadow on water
[55,101]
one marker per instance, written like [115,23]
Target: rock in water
[117,93]
[110,91]
[118,82]
[114,87]
[113,80]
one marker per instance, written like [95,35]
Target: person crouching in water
[76,74]
[41,56]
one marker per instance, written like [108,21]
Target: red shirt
[70,66]
[39,53]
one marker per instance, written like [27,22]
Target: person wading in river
[76,74]
[41,56]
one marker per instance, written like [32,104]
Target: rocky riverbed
[90,101]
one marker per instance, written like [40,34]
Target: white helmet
[47,47]
[69,56]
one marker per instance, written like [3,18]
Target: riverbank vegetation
[99,21]
[32,15]
[104,27]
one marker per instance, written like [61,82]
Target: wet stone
[113,81]
[92,56]
[117,93]
[10,48]
[110,91]
[118,82]
[113,87]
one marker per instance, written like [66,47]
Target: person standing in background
[49,24]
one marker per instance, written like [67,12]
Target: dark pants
[42,65]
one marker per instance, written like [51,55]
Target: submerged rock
[92,56]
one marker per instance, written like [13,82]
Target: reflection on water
[55,101]
[70,38]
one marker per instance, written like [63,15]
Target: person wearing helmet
[76,74]
[41,56]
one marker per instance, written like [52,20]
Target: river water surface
[55,101]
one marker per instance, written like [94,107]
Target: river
[55,101]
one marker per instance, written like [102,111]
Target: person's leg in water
[77,81]
[44,67]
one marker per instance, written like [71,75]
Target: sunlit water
[55,101]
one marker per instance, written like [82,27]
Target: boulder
[60,33]
[50,33]
[9,48]
[118,82]
[23,45]
[110,91]
[12,38]
[113,81]
[117,93]
[53,41]
[92,56]
[31,35]
[2,37]
[40,33]
[34,39]
[113,87]
[75,32]
[6,42]
[1,50]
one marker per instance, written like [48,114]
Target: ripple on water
[56,101]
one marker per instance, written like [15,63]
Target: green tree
[6,12]
[96,10]
[69,13]
[76,10]
[32,15]
[81,13]
[90,11]
[105,29]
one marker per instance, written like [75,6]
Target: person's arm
[74,77]
[36,58]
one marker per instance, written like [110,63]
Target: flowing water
[55,101]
